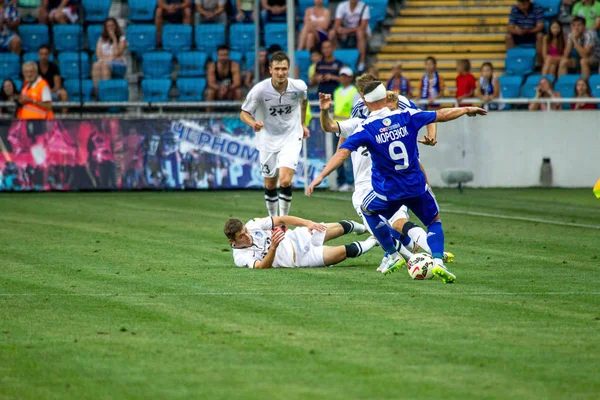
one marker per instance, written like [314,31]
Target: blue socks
[381,230]
[435,239]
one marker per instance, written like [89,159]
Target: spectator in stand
[582,91]
[210,11]
[273,11]
[327,70]
[50,72]
[173,11]
[35,100]
[8,92]
[590,11]
[245,11]
[398,82]
[9,25]
[432,84]
[109,52]
[224,78]
[525,25]
[582,48]
[545,90]
[351,28]
[59,11]
[316,24]
[553,48]
[29,9]
[465,82]
[263,66]
[488,87]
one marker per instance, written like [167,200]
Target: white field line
[373,293]
[488,215]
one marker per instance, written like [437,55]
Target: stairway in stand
[449,30]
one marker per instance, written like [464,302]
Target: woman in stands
[109,51]
[8,92]
[545,90]
[553,48]
[316,23]
[582,90]
[432,84]
[488,87]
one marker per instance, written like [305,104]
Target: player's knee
[399,224]
[270,185]
[285,181]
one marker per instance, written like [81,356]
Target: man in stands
[35,101]
[327,71]
[273,11]
[211,11]
[351,28]
[582,48]
[51,74]
[173,11]
[590,11]
[224,78]
[525,25]
[9,25]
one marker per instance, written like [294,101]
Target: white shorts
[286,157]
[308,248]
[72,15]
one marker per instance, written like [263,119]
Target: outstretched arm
[338,159]
[295,221]
[449,114]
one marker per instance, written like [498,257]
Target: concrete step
[449,29]
[449,38]
[445,56]
[440,49]
[427,20]
[458,3]
[442,65]
[458,11]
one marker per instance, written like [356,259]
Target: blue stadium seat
[348,56]
[565,85]
[191,89]
[141,10]
[18,84]
[93,35]
[551,7]
[595,85]
[233,56]
[96,10]
[113,90]
[303,5]
[156,90]
[67,37]
[303,63]
[378,12]
[528,89]
[33,36]
[69,64]
[177,38]
[33,56]
[10,66]
[141,38]
[241,37]
[249,61]
[276,33]
[520,61]
[209,36]
[157,64]
[79,92]
[510,86]
[191,63]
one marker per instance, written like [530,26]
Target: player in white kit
[276,109]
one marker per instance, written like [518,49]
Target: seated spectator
[465,82]
[109,51]
[224,78]
[545,90]
[51,74]
[208,11]
[29,9]
[432,84]
[553,48]
[327,71]
[245,11]
[590,11]
[8,92]
[315,57]
[351,28]
[173,11]
[316,24]
[273,11]
[582,91]
[525,25]
[9,25]
[263,67]
[488,87]
[59,11]
[398,82]
[35,100]
[582,49]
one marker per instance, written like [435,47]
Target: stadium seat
[510,86]
[33,56]
[18,84]
[595,85]
[33,36]
[520,61]
[141,38]
[10,66]
[233,56]
[378,12]
[177,38]
[156,90]
[551,7]
[96,10]
[303,63]
[191,89]
[565,85]
[276,33]
[157,64]
[79,90]
[528,89]
[249,58]
[141,10]
[209,36]
[348,56]
[74,65]
[93,35]
[191,63]
[241,37]
[67,37]
[113,90]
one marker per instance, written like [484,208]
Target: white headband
[378,94]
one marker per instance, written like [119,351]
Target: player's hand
[276,238]
[324,101]
[313,226]
[306,134]
[428,141]
[311,188]
[258,126]
[473,111]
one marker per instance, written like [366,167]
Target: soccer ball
[420,266]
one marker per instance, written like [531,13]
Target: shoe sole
[445,275]
[448,258]
[395,267]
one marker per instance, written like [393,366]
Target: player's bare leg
[271,195]
[337,229]
[336,254]
[285,190]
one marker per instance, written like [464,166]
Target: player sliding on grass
[264,243]
[397,179]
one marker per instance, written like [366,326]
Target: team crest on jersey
[259,235]
[387,122]
[294,95]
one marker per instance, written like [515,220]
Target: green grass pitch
[135,296]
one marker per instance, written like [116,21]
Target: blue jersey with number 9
[391,137]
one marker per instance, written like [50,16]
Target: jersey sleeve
[356,110]
[243,259]
[260,224]
[421,118]
[355,141]
[348,126]
[252,100]
[302,90]
[46,94]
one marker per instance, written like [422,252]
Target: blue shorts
[5,41]
[424,206]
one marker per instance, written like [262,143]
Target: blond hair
[362,80]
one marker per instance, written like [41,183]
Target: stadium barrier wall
[118,154]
